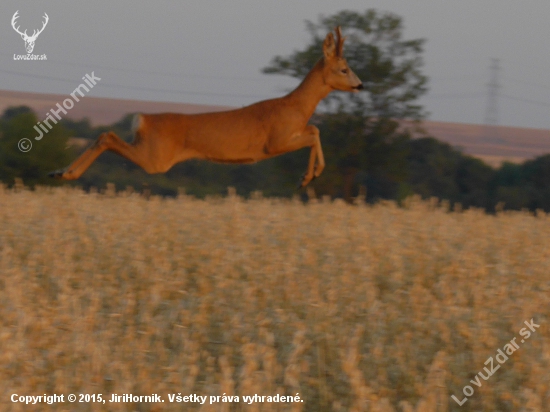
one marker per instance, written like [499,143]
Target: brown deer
[247,135]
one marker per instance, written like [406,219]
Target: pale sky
[212,52]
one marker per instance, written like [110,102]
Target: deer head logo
[29,40]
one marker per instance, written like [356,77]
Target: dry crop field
[355,308]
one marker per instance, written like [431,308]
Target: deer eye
[345,71]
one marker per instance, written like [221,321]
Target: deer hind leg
[106,141]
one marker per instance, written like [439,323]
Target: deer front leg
[308,138]
[319,150]
[315,155]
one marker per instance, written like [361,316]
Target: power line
[463,77]
[189,92]
[165,74]
[529,101]
[491,112]
[150,89]
[537,85]
[453,96]
[156,73]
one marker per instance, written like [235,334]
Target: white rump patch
[136,122]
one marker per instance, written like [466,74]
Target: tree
[438,169]
[362,127]
[33,166]
[524,185]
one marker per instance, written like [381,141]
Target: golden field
[356,308]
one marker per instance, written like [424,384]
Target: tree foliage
[46,155]
[388,65]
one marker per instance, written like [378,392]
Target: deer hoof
[304,181]
[56,174]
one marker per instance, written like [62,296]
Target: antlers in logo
[29,40]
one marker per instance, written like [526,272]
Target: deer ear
[329,48]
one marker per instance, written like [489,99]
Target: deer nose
[360,87]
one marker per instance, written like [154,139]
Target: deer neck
[311,91]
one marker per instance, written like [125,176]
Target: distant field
[497,161]
[356,308]
[100,111]
[493,145]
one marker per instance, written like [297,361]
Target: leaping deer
[29,40]
[246,135]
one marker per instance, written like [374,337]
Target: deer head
[29,40]
[336,72]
